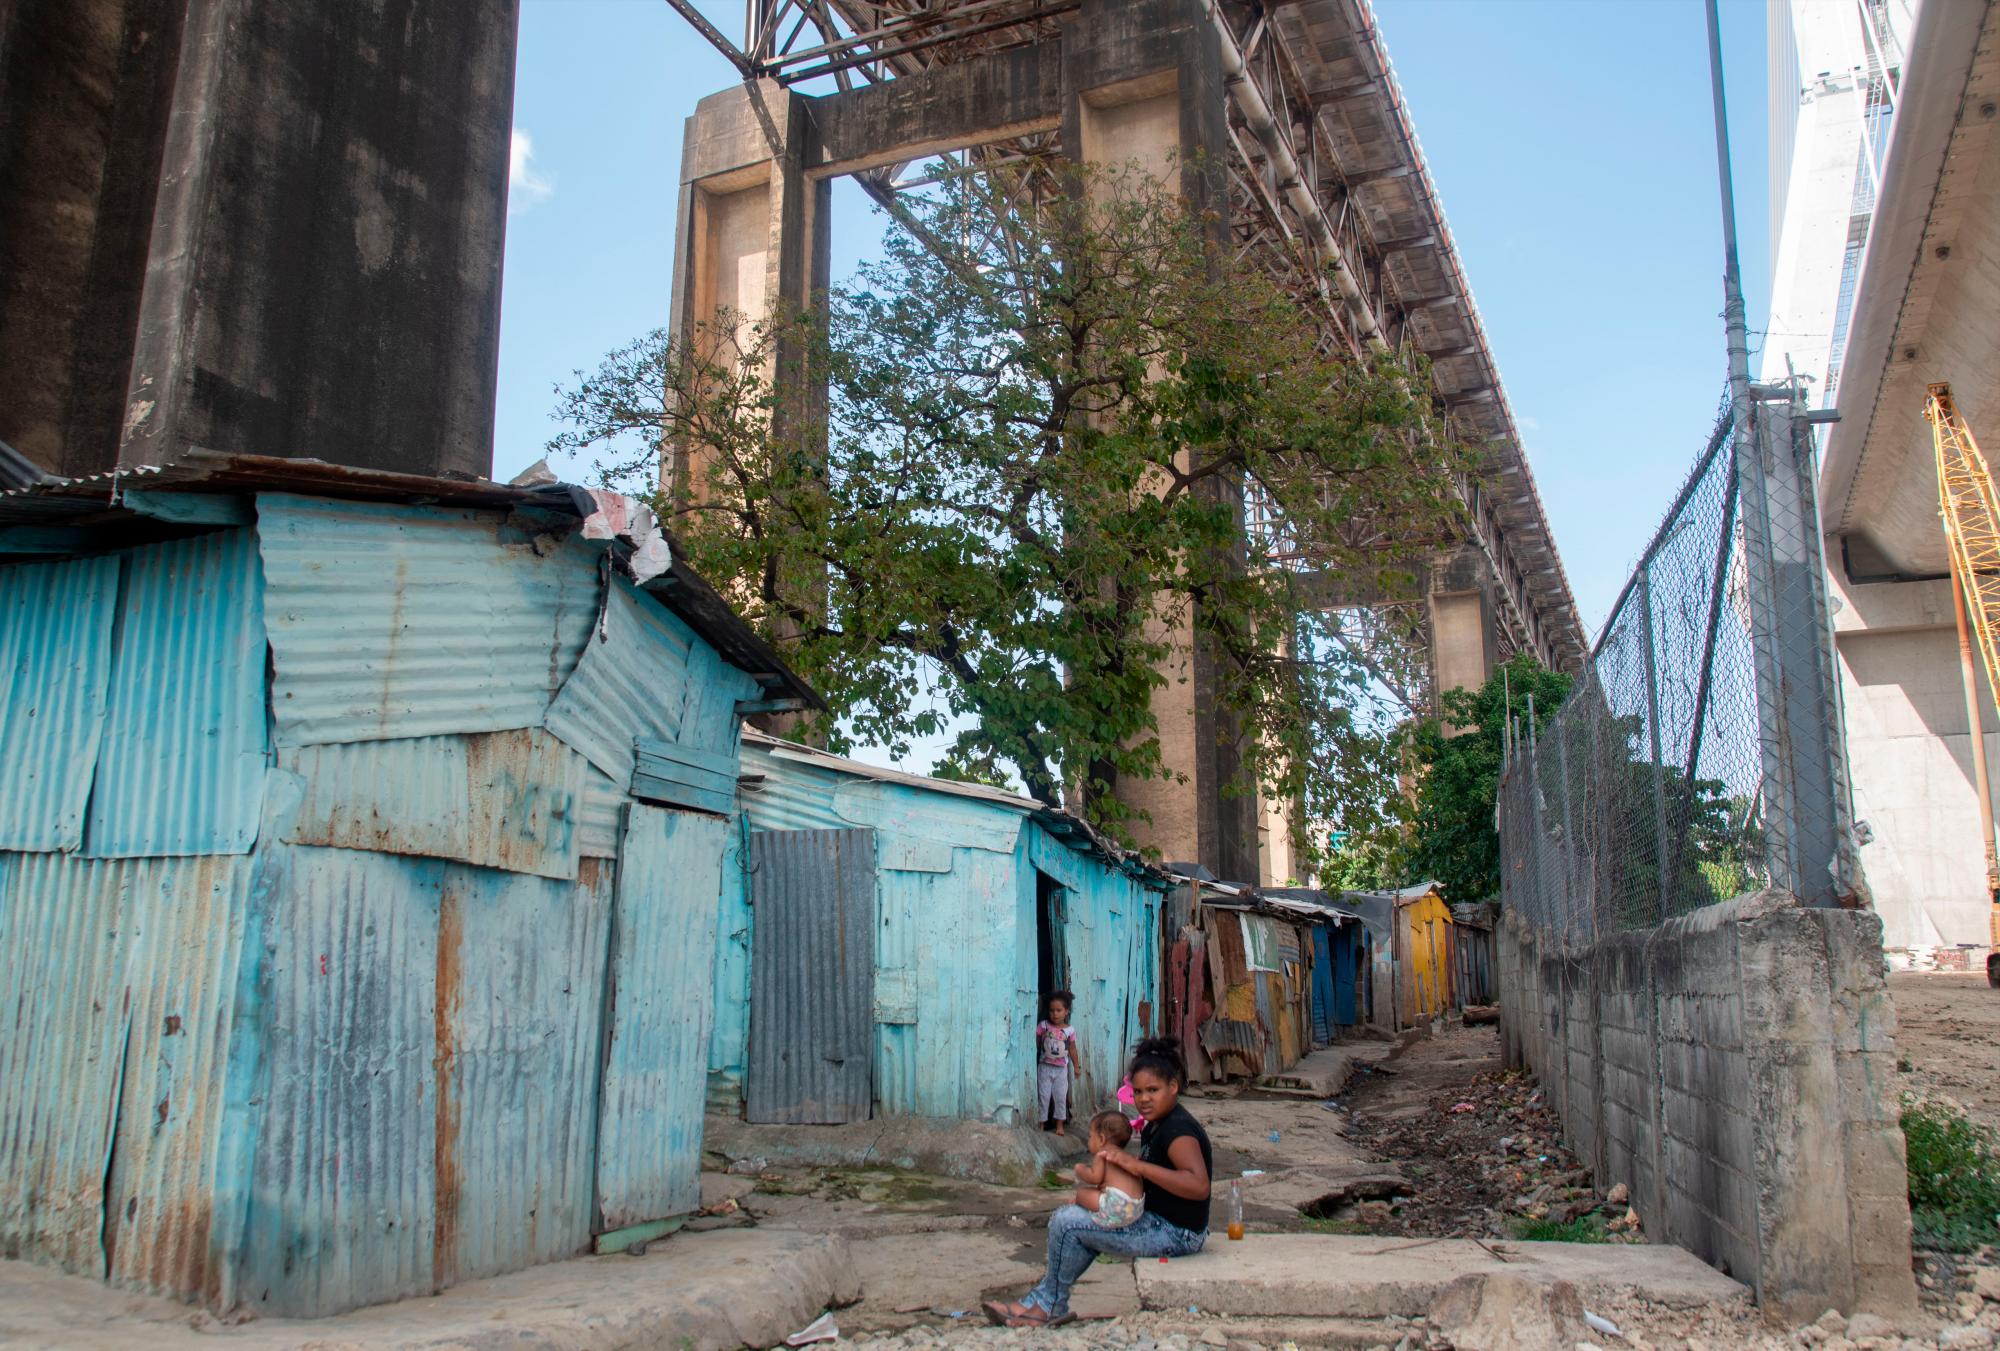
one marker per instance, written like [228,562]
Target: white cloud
[525,186]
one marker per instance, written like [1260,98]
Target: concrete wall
[1910,751]
[1734,1068]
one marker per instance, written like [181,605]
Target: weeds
[1583,1229]
[1053,1180]
[1954,1177]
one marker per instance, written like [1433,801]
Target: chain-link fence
[1664,783]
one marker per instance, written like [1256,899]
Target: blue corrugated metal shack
[354,835]
[887,941]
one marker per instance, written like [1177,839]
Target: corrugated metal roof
[55,665]
[812,976]
[93,506]
[181,767]
[510,800]
[792,751]
[398,621]
[345,1208]
[520,1026]
[630,681]
[824,792]
[655,1077]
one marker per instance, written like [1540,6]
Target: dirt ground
[1948,1038]
[1438,1141]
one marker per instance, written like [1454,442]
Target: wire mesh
[1645,795]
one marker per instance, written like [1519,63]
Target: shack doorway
[1051,947]
[812,977]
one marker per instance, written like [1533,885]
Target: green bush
[1954,1177]
[1583,1229]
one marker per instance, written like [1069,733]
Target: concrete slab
[1326,1071]
[1340,1276]
[1012,1156]
[931,1277]
[694,1292]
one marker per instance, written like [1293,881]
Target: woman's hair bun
[1161,1055]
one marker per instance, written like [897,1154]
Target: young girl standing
[1055,1042]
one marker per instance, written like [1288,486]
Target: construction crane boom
[1970,509]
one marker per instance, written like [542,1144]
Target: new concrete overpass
[1927,308]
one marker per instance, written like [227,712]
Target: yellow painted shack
[1425,960]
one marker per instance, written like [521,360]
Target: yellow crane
[1970,508]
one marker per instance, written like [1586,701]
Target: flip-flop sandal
[997,1313]
[1035,1318]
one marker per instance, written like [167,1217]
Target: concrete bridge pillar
[1142,89]
[1465,644]
[754,230]
[269,229]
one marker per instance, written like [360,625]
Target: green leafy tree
[1452,839]
[1024,493]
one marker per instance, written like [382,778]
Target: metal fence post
[1570,853]
[1659,767]
[1803,750]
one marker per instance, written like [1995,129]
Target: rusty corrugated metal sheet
[400,621]
[812,976]
[519,1023]
[600,814]
[510,800]
[649,1149]
[181,768]
[55,664]
[113,1057]
[430,1073]
[62,1051]
[343,1198]
[186,936]
[631,681]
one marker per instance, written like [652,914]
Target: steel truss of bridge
[1327,187]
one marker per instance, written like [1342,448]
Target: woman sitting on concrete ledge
[1175,1161]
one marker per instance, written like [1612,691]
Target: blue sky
[1571,141]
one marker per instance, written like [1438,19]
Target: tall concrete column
[267,229]
[1142,87]
[1464,630]
[754,232]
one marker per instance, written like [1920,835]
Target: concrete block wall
[1735,1069]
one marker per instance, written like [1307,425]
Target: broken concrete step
[1341,1276]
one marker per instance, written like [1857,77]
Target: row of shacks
[359,838]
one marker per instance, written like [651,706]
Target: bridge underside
[1927,308]
[1324,186]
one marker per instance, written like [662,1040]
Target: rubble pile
[1486,1160]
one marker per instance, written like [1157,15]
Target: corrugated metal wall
[729,1042]
[55,667]
[499,799]
[400,621]
[812,976]
[653,1089]
[181,768]
[62,1051]
[520,1036]
[186,933]
[333,1032]
[948,938]
[344,1202]
[1112,933]
[955,992]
